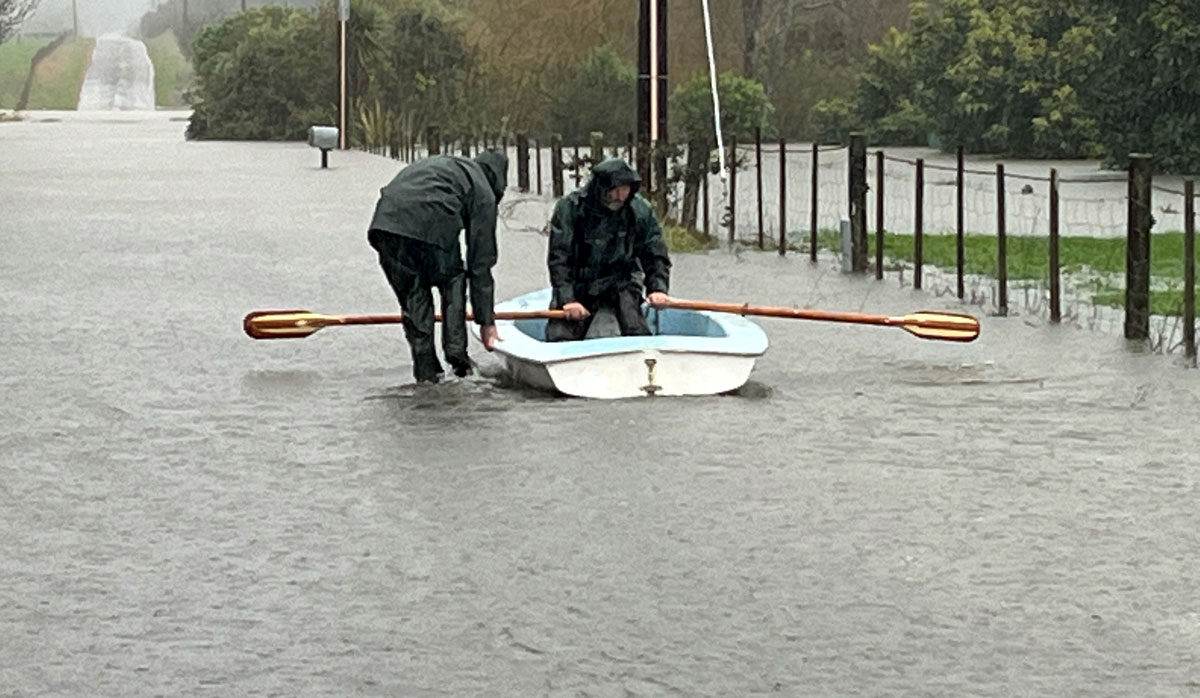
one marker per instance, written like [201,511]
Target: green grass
[680,239]
[172,72]
[1028,260]
[1167,303]
[59,77]
[15,58]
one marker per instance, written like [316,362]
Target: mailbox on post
[325,138]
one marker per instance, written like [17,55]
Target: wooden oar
[295,324]
[926,324]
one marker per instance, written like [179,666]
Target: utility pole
[643,93]
[343,18]
[652,93]
[659,133]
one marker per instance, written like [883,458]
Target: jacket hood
[612,173]
[495,168]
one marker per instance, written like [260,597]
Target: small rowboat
[698,347]
[692,352]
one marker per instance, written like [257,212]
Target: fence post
[629,149]
[1001,242]
[812,209]
[597,141]
[1137,254]
[704,188]
[758,181]
[661,186]
[556,165]
[732,187]
[537,160]
[433,140]
[782,197]
[878,214]
[919,225]
[959,262]
[522,162]
[1189,271]
[1055,266]
[578,165]
[858,201]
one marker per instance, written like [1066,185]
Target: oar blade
[947,327]
[282,324]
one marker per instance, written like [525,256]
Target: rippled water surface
[186,511]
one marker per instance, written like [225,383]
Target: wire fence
[1056,240]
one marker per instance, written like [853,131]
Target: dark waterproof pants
[623,304]
[413,269]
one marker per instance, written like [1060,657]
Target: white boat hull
[624,367]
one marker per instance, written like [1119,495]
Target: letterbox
[323,137]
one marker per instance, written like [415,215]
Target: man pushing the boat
[599,235]
[415,230]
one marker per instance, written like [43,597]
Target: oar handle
[776,311]
[365,319]
[392,319]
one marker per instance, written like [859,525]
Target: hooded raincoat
[415,230]
[596,253]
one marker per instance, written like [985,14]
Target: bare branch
[12,14]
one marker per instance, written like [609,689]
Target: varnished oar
[294,324]
[926,324]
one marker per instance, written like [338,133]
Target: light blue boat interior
[674,330]
[669,321]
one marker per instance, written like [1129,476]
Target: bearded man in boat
[415,230]
[600,235]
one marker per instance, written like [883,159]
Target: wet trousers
[413,269]
[617,313]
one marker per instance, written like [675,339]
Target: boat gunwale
[743,338]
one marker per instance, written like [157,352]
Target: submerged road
[188,512]
[120,76]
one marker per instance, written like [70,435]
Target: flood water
[189,512]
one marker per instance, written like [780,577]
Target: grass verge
[59,76]
[15,59]
[172,72]
[1101,259]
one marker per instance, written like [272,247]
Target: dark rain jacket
[433,199]
[595,251]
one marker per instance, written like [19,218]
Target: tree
[804,50]
[426,69]
[1148,81]
[744,108]
[12,14]
[1002,77]
[525,47]
[598,95]
[260,79]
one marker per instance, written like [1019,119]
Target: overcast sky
[96,17]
